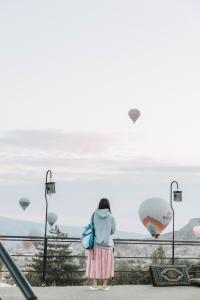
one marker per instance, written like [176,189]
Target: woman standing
[100,263]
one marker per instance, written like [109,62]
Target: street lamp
[177,198]
[49,190]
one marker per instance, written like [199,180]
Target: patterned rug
[169,275]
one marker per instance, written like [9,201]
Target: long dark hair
[104,203]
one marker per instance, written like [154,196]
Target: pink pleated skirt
[100,263]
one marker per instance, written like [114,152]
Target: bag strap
[93,221]
[93,234]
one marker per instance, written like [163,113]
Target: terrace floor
[125,292]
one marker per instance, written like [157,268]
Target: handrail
[117,241]
[76,239]
[20,280]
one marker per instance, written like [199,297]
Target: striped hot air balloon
[155,214]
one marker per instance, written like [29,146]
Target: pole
[45,231]
[173,242]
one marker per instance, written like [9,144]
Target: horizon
[147,234]
[61,225]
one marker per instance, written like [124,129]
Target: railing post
[44,260]
[173,248]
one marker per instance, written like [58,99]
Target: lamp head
[178,196]
[50,188]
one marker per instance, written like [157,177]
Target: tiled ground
[135,292]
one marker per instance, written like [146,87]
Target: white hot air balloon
[196,231]
[155,214]
[134,114]
[27,244]
[34,232]
[24,203]
[52,218]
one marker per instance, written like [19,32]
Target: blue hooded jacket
[105,227]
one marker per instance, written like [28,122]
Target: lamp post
[49,190]
[178,198]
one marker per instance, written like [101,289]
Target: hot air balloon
[155,214]
[34,232]
[196,231]
[134,114]
[52,218]
[24,202]
[27,244]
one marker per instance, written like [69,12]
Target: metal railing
[132,256]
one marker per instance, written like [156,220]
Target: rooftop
[125,292]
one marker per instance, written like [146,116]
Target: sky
[70,72]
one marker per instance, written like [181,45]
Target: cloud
[56,140]
[26,155]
